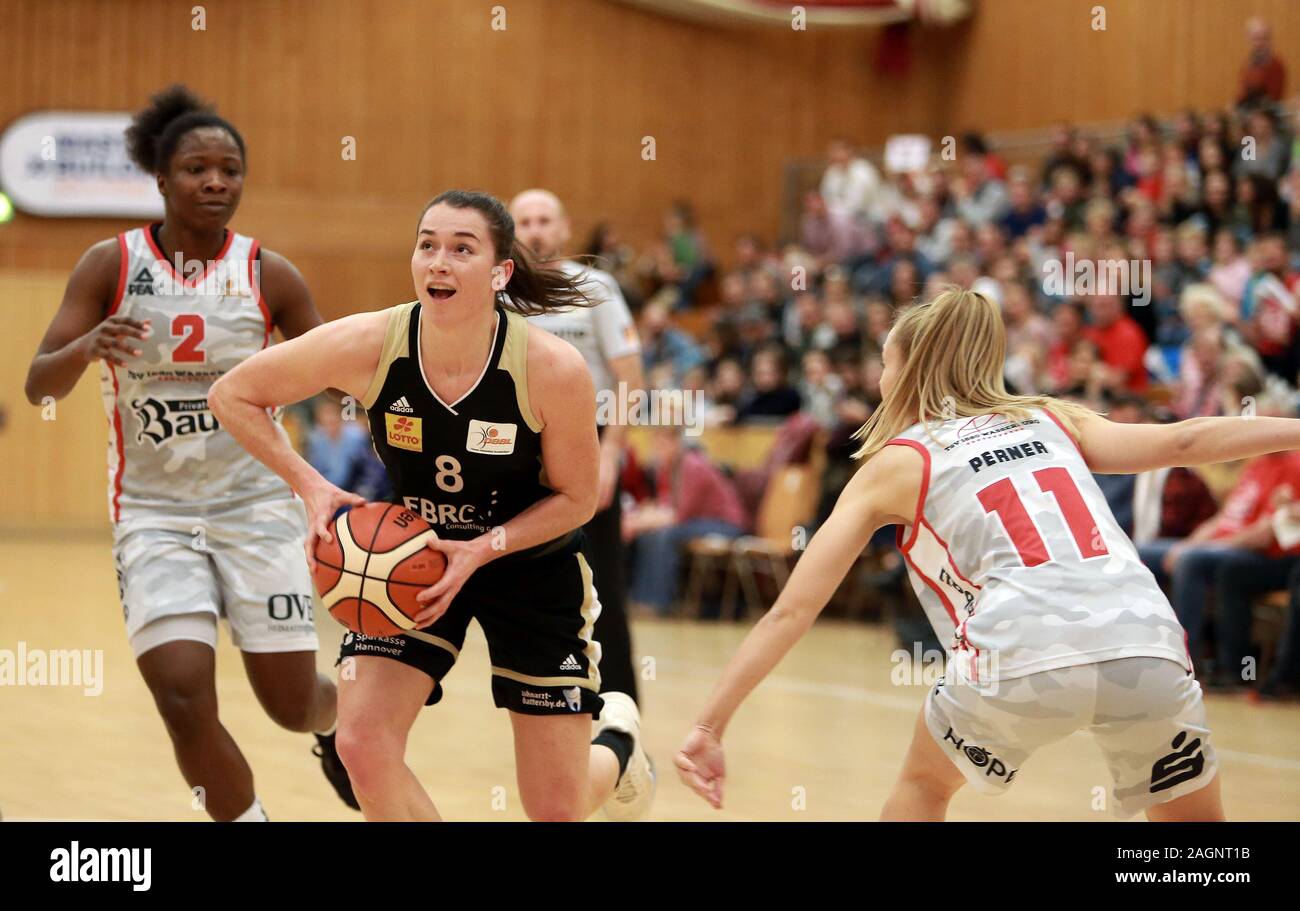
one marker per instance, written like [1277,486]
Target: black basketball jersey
[469,466]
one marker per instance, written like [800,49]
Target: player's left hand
[463,558]
[701,765]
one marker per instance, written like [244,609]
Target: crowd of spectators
[1192,229]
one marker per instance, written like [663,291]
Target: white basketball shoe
[636,788]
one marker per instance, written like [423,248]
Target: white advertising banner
[66,164]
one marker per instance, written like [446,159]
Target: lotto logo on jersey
[491,439]
[404,432]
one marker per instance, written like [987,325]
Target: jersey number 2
[1003,498]
[191,327]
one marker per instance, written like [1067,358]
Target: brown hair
[532,289]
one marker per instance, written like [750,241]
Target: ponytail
[534,289]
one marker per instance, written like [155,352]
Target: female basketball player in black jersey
[182,472]
[487,427]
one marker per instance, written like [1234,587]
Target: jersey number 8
[448,477]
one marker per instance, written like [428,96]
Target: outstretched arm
[1111,448]
[884,491]
[343,354]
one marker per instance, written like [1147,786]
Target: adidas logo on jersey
[569,664]
[401,406]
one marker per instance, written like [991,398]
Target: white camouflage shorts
[1145,713]
[246,565]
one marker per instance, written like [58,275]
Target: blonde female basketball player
[1054,624]
[200,529]
[487,428]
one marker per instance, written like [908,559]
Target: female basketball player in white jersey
[1052,623]
[200,528]
[487,427]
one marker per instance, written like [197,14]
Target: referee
[606,335]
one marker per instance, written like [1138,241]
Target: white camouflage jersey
[166,452]
[1017,559]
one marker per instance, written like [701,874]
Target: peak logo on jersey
[981,758]
[404,432]
[162,419]
[401,406]
[1181,765]
[142,283]
[491,439]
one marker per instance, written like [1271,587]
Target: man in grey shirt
[606,336]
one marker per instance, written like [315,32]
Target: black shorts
[538,616]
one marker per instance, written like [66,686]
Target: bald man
[606,335]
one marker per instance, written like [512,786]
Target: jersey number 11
[1003,498]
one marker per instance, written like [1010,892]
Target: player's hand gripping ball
[369,575]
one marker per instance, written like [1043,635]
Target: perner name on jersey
[1007,454]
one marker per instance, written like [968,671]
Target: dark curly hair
[155,131]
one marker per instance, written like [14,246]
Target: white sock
[255,813]
[333,727]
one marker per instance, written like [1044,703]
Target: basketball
[369,575]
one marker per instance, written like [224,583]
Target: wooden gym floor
[820,740]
